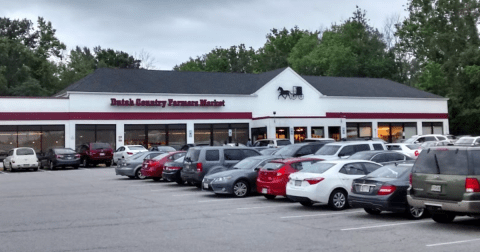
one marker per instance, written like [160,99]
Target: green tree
[112,58]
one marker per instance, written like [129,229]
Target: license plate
[69,158]
[436,188]
[298,183]
[205,185]
[102,154]
[26,165]
[364,188]
[264,190]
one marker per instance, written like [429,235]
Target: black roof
[174,82]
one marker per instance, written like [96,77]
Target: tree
[112,58]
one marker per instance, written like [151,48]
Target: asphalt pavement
[94,210]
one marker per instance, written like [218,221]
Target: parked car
[315,140]
[332,151]
[126,151]
[153,168]
[445,181]
[425,138]
[273,177]
[271,142]
[3,155]
[95,153]
[381,156]
[131,167]
[240,180]
[21,159]
[385,190]
[171,171]
[201,161]
[426,145]
[327,182]
[411,150]
[269,151]
[468,141]
[163,148]
[299,150]
[60,157]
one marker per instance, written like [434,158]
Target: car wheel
[443,217]
[156,179]
[240,188]
[180,181]
[75,167]
[108,164]
[373,211]
[306,203]
[269,196]
[113,161]
[11,168]
[338,200]
[415,212]
[52,167]
[198,185]
[131,177]
[138,174]
[85,163]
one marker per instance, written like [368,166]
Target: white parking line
[387,225]
[142,185]
[247,208]
[186,194]
[448,243]
[214,200]
[314,215]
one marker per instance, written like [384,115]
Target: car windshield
[328,150]
[165,148]
[467,141]
[391,171]
[287,150]
[180,160]
[136,147]
[319,167]
[64,151]
[246,163]
[24,152]
[99,146]
[138,155]
[161,156]
[413,146]
[263,143]
[362,155]
[283,142]
[272,166]
[410,140]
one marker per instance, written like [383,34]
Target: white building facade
[119,112]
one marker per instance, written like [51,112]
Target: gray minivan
[200,161]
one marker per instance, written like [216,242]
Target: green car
[445,181]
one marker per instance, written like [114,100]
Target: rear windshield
[318,167]
[391,171]
[180,160]
[413,146]
[246,163]
[64,151]
[136,147]
[363,155]
[138,155]
[328,150]
[24,152]
[272,166]
[99,146]
[283,142]
[287,150]
[161,156]
[467,141]
[192,155]
[442,161]
[263,143]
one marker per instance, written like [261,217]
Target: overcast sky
[174,30]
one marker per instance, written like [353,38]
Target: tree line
[435,48]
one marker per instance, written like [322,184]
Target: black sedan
[60,157]
[385,190]
[381,156]
[131,167]
[171,171]
[240,180]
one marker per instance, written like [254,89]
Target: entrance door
[334,132]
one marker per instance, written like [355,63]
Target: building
[132,106]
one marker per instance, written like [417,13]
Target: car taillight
[386,189]
[130,153]
[472,185]
[280,172]
[199,167]
[410,179]
[59,156]
[77,155]
[313,181]
[87,152]
[417,153]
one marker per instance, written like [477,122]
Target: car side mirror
[257,169]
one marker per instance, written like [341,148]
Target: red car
[95,153]
[273,177]
[153,168]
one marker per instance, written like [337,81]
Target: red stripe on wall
[122,116]
[367,116]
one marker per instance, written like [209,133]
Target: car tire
[180,181]
[85,163]
[156,179]
[11,168]
[138,174]
[306,203]
[75,167]
[113,161]
[372,211]
[52,167]
[443,217]
[269,196]
[108,164]
[240,189]
[338,199]
[131,177]
[415,213]
[198,185]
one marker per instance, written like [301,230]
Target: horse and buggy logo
[297,92]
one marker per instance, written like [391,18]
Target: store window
[104,133]
[318,132]
[156,135]
[177,135]
[218,134]
[149,135]
[432,128]
[52,136]
[134,135]
[359,130]
[38,137]
[394,132]
[259,133]
[282,132]
[30,136]
[203,134]
[300,133]
[239,133]
[334,132]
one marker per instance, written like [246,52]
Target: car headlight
[223,179]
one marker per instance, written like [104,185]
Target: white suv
[272,142]
[21,158]
[332,151]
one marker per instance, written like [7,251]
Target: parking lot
[94,210]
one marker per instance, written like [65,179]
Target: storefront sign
[168,102]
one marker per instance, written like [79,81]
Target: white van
[332,151]
[21,158]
